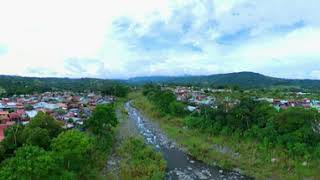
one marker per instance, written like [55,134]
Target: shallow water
[179,164]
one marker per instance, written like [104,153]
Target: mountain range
[20,85]
[242,79]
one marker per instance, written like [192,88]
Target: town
[196,97]
[68,107]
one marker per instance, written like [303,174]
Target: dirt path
[125,129]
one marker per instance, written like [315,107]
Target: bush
[193,122]
[73,148]
[177,108]
[31,162]
[140,161]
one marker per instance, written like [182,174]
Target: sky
[129,38]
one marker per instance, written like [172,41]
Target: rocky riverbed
[179,164]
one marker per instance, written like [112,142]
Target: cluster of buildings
[70,108]
[284,104]
[198,97]
[195,98]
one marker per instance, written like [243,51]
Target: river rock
[238,170]
[111,163]
[304,163]
[200,175]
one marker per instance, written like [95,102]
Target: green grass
[253,161]
[140,161]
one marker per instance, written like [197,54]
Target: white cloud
[79,38]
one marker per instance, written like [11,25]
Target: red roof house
[14,116]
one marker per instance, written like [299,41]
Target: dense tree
[2,91]
[73,149]
[162,99]
[31,162]
[56,154]
[29,85]
[36,136]
[102,121]
[12,139]
[177,108]
[45,121]
[116,90]
[148,88]
[38,132]
[296,126]
[296,129]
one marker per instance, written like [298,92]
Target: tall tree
[102,121]
[31,162]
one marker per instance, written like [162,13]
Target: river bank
[229,152]
[180,165]
[131,158]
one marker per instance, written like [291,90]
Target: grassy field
[251,159]
[134,160]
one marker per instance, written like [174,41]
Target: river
[179,164]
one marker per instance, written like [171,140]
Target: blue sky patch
[3,49]
[239,36]
[289,28]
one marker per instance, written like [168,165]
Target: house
[19,106]
[11,105]
[14,117]
[22,114]
[191,108]
[2,106]
[4,123]
[62,106]
[103,101]
[4,117]
[276,102]
[32,113]
[40,105]
[44,105]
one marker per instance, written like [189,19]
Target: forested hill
[242,79]
[25,85]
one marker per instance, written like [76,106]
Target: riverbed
[180,165]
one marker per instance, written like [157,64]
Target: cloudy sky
[126,38]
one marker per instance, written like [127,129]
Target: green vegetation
[43,150]
[32,162]
[116,90]
[132,158]
[140,161]
[2,91]
[259,140]
[164,100]
[28,85]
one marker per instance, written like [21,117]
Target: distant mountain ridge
[242,79]
[20,85]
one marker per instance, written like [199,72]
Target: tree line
[16,85]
